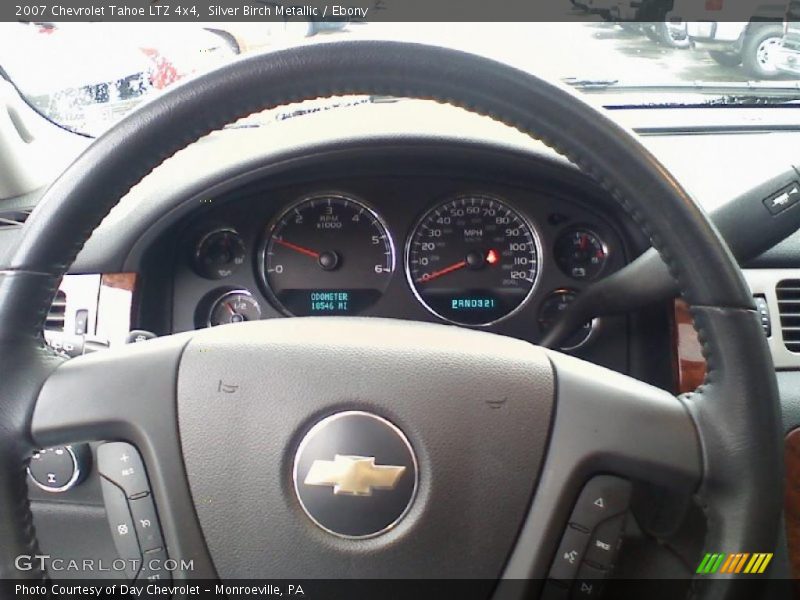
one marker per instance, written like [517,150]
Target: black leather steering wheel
[495,486]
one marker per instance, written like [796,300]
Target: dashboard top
[732,150]
[719,166]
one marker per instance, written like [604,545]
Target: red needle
[296,248]
[230,308]
[428,276]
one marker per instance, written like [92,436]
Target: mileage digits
[329,254]
[472,260]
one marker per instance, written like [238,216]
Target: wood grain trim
[791,457]
[122,281]
[689,365]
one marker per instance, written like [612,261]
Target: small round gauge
[472,260]
[580,253]
[236,306]
[327,255]
[219,253]
[549,311]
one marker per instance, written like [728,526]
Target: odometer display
[472,260]
[327,255]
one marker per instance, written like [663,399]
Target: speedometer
[473,260]
[329,254]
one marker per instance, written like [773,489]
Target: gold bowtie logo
[353,475]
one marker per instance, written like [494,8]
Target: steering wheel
[491,439]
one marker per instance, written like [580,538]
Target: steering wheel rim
[735,412]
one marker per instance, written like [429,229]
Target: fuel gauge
[236,306]
[580,253]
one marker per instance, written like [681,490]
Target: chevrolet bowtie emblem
[353,475]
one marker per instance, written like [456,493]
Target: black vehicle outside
[788,55]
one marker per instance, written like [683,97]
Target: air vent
[788,292]
[55,318]
[13,218]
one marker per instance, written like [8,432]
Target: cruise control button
[569,555]
[120,462]
[153,568]
[145,520]
[602,498]
[604,542]
[122,529]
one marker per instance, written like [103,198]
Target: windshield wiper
[760,89]
[584,84]
[690,94]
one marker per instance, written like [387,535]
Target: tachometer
[327,255]
[472,260]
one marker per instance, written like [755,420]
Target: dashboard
[470,251]
[201,241]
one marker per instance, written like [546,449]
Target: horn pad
[359,447]
[355,453]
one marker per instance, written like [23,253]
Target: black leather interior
[736,411]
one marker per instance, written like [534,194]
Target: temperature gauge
[236,306]
[580,253]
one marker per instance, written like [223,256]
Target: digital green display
[473,304]
[327,302]
[330,302]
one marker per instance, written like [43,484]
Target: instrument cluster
[473,258]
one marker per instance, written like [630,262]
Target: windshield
[87,76]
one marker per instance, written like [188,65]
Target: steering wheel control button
[591,539]
[56,469]
[145,521]
[569,555]
[603,497]
[604,542]
[153,568]
[120,463]
[131,511]
[589,583]
[123,531]
[355,474]
[783,199]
